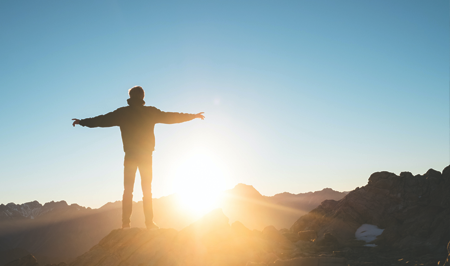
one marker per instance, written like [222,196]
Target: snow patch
[27,210]
[368,233]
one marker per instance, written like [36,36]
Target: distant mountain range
[56,231]
[245,204]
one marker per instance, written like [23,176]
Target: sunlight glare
[199,183]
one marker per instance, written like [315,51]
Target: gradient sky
[298,95]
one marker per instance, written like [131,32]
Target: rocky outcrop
[209,241]
[313,261]
[12,254]
[307,235]
[447,261]
[414,212]
[28,260]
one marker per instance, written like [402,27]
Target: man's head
[137,92]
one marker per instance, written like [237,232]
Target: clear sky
[298,95]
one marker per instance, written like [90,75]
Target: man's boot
[127,205]
[148,213]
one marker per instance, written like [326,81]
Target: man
[137,123]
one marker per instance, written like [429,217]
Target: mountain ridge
[29,208]
[60,232]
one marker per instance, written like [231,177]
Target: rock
[303,262]
[209,241]
[447,261]
[328,240]
[303,243]
[144,246]
[312,262]
[338,253]
[252,263]
[307,235]
[290,236]
[12,254]
[239,229]
[269,258]
[214,222]
[272,234]
[28,260]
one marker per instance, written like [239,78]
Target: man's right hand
[76,121]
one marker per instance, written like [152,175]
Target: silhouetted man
[137,123]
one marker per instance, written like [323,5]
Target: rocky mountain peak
[243,190]
[56,204]
[413,210]
[12,211]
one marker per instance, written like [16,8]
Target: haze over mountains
[393,220]
[56,231]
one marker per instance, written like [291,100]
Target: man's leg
[130,167]
[145,169]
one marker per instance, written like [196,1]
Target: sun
[199,183]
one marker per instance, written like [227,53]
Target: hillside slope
[414,211]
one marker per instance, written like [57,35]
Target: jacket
[137,123]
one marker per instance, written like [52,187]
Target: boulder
[328,240]
[307,235]
[272,235]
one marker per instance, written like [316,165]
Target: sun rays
[199,182]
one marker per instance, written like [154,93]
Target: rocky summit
[412,213]
[209,241]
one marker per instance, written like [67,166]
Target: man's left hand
[200,115]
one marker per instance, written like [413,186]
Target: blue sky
[298,95]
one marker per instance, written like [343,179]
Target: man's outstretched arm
[108,120]
[173,118]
